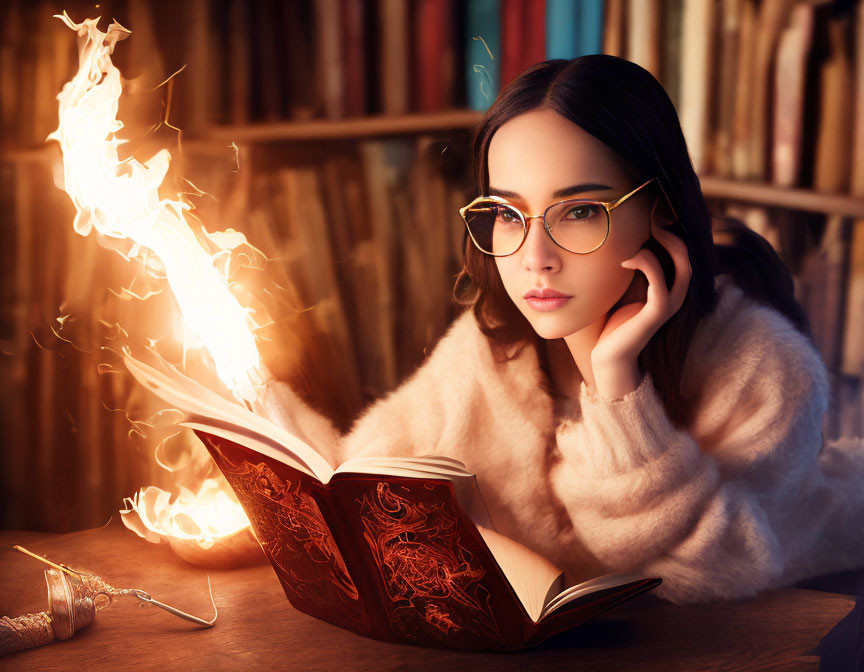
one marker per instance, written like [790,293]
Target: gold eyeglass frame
[609,206]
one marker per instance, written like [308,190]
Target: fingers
[646,261]
[677,249]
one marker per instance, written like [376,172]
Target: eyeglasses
[577,225]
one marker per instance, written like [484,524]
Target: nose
[539,251]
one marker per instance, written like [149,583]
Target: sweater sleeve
[759,504]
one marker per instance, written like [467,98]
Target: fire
[204,516]
[119,200]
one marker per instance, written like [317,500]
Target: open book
[399,549]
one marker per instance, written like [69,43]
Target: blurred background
[335,134]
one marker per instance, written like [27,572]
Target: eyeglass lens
[577,226]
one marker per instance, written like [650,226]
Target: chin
[551,328]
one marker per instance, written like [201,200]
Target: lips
[545,293]
[545,299]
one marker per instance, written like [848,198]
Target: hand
[629,328]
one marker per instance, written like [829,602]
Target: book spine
[239,88]
[562,29]
[354,57]
[282,504]
[615,28]
[360,566]
[853,348]
[298,50]
[773,15]
[329,44]
[482,52]
[695,75]
[394,61]
[266,80]
[789,87]
[831,170]
[729,41]
[591,28]
[741,131]
[534,46]
[430,30]
[643,36]
[512,39]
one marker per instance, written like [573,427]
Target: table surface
[257,625]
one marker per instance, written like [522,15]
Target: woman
[663,414]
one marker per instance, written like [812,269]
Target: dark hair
[625,107]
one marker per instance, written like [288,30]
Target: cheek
[508,271]
[599,283]
[629,231]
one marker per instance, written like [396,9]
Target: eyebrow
[560,193]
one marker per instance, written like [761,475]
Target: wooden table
[257,626]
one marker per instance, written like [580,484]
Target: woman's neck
[564,375]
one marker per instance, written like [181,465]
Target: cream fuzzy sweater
[748,497]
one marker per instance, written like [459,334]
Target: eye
[507,216]
[583,211]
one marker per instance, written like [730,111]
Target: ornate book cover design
[394,558]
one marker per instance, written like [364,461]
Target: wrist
[616,381]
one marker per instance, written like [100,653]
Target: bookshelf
[721,188]
[358,127]
[315,141]
[761,193]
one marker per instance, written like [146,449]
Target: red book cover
[534,35]
[388,557]
[513,43]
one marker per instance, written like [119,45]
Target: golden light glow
[204,516]
[120,201]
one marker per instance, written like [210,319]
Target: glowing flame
[120,200]
[204,516]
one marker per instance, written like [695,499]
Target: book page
[208,411]
[531,576]
[212,413]
[418,459]
[428,464]
[537,582]
[587,587]
[245,437]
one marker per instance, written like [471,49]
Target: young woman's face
[532,156]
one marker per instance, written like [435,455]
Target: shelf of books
[335,134]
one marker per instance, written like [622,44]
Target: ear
[661,213]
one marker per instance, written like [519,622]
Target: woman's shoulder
[460,353]
[743,340]
[462,341]
[741,318]
[464,354]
